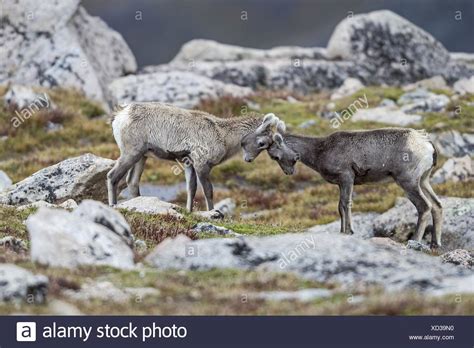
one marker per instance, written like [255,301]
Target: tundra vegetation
[293,203]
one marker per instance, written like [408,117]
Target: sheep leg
[133,177]
[203,175]
[345,195]
[436,212]
[191,186]
[121,167]
[419,200]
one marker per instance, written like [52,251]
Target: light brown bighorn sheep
[197,139]
[359,157]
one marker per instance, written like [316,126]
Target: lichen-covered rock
[454,169]
[454,144]
[399,223]
[386,114]
[459,257]
[58,44]
[77,178]
[183,89]
[421,100]
[18,284]
[205,227]
[14,244]
[108,217]
[322,257]
[435,82]
[226,206]
[5,181]
[150,205]
[68,204]
[209,50]
[63,239]
[349,87]
[464,85]
[23,96]
[389,47]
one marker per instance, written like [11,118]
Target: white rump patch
[121,120]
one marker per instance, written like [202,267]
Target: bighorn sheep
[197,139]
[359,157]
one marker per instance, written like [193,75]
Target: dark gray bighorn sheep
[358,157]
[197,139]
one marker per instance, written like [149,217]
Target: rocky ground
[274,247]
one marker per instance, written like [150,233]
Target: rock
[226,206]
[418,246]
[349,87]
[59,307]
[140,246]
[326,258]
[150,205]
[183,89]
[213,214]
[462,57]
[69,204]
[304,295]
[205,227]
[459,257]
[75,178]
[5,181]
[106,291]
[454,169]
[15,244]
[308,76]
[412,54]
[388,115]
[435,82]
[361,226]
[458,219]
[62,239]
[421,100]
[465,85]
[108,217]
[209,50]
[17,283]
[25,97]
[454,144]
[387,103]
[59,44]
[299,76]
[307,124]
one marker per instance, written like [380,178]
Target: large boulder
[399,223]
[62,239]
[296,76]
[184,89]
[58,44]
[17,283]
[209,50]
[77,178]
[454,144]
[106,216]
[391,49]
[334,258]
[454,169]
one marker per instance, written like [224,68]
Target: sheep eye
[261,144]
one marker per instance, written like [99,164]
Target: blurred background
[156,29]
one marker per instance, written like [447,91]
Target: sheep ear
[278,138]
[281,126]
[268,121]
